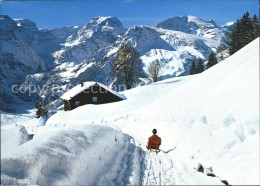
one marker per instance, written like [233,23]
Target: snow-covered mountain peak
[99,33]
[96,24]
[105,24]
[201,22]
[103,20]
[193,25]
[186,24]
[229,25]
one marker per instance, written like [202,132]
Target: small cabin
[89,93]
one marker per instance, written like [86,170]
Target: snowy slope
[212,118]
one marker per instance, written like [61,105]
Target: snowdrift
[212,118]
[83,155]
[12,137]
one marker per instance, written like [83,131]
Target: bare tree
[127,66]
[153,70]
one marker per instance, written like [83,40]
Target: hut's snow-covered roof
[78,89]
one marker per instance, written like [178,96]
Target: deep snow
[83,155]
[212,118]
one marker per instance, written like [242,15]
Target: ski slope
[212,118]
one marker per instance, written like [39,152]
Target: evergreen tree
[200,66]
[38,106]
[245,30]
[212,60]
[193,67]
[235,36]
[45,107]
[256,27]
[42,108]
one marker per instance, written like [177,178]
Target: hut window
[94,99]
[77,103]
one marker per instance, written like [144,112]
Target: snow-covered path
[160,170]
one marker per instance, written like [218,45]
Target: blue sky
[54,14]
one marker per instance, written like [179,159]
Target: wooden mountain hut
[90,93]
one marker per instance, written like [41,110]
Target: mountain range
[54,60]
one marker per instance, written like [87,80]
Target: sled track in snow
[160,170]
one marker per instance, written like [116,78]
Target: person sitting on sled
[154,141]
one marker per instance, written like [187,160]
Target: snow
[69,70]
[12,137]
[173,50]
[200,22]
[60,156]
[230,23]
[42,121]
[101,19]
[211,118]
[170,61]
[7,118]
[194,25]
[78,89]
[99,33]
